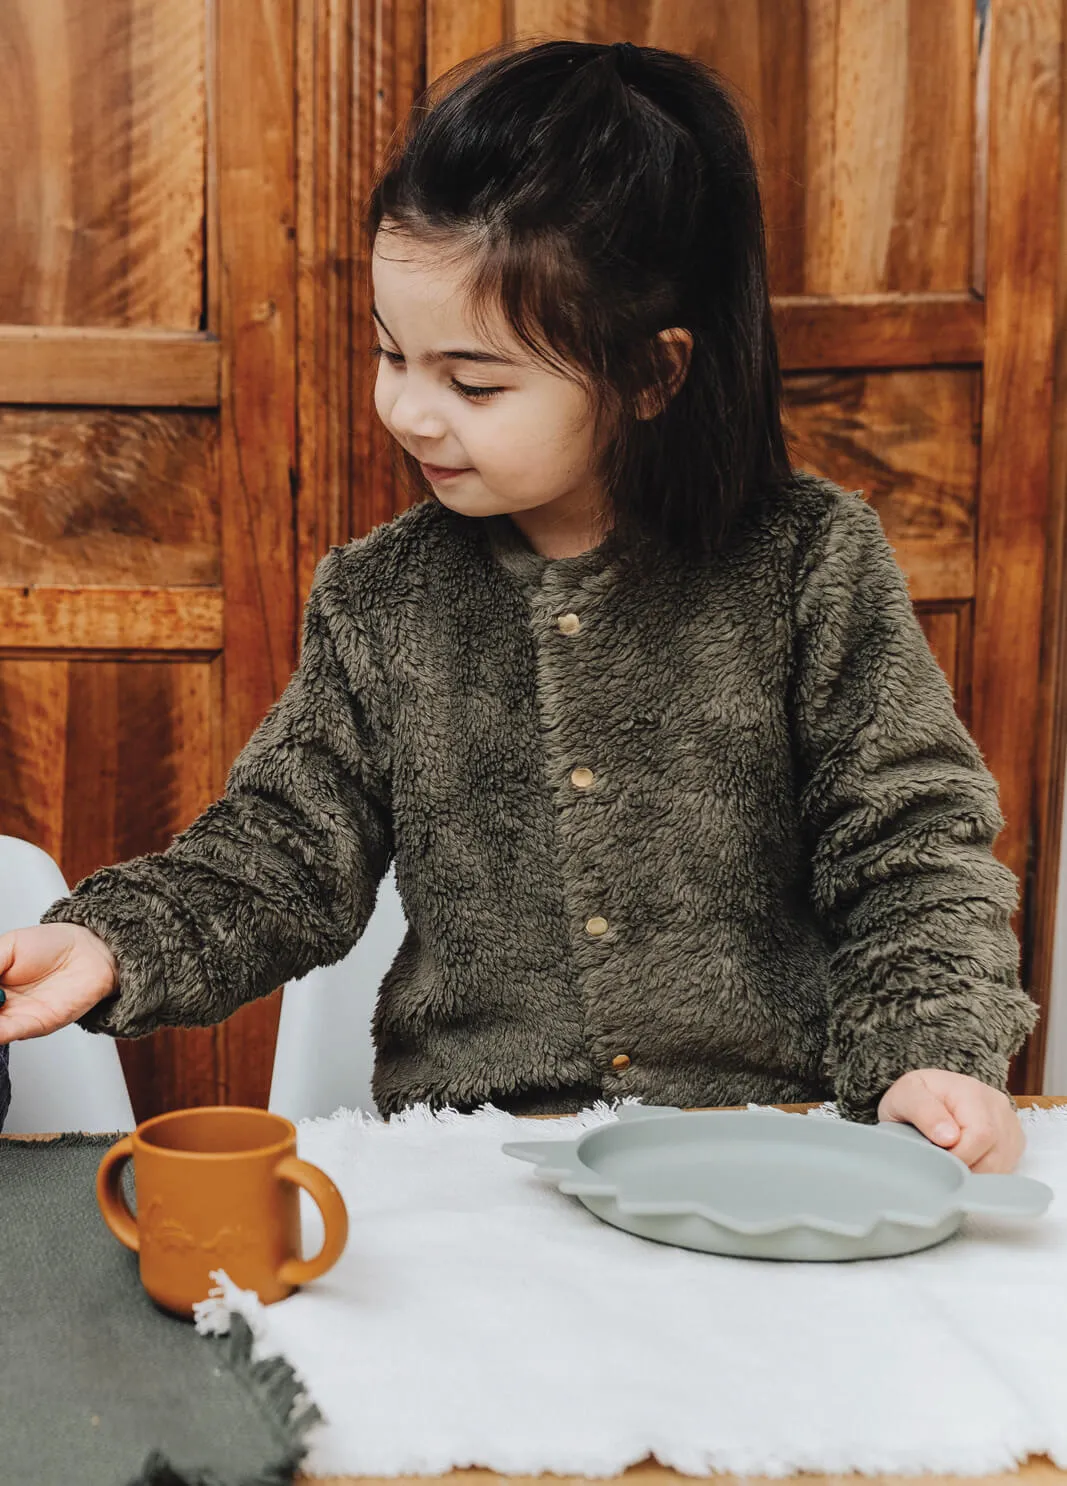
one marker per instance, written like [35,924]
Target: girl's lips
[440,472]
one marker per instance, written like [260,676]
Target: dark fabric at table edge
[271,1383]
[277,1393]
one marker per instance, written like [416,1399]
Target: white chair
[324,1055]
[71,1079]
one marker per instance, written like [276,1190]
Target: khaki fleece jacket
[712,838]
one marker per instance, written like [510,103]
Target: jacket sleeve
[900,814]
[281,873]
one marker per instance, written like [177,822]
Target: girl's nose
[412,417]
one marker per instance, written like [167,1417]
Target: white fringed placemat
[480,1317]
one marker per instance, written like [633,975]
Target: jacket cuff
[128,920]
[876,1062]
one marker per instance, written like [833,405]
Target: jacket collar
[532,569]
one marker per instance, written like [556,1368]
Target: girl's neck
[554,536]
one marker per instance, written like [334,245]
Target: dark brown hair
[602,194]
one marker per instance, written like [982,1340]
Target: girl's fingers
[962,1115]
[978,1140]
[992,1138]
[910,1101]
[23,1018]
[7,953]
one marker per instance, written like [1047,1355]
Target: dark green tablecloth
[98,1387]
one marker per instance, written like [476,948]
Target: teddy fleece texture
[788,831]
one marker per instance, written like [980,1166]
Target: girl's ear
[680,345]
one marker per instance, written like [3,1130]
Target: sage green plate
[762,1184]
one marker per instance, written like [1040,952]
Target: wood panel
[145,368]
[392,41]
[949,629]
[252,101]
[113,498]
[102,148]
[148,612]
[908,440]
[102,762]
[34,699]
[1052,729]
[1017,505]
[878,330]
[327,170]
[89,618]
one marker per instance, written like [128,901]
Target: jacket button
[597,925]
[582,778]
[568,624]
[622,1061]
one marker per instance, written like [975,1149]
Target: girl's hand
[50,975]
[963,1115]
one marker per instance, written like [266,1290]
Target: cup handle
[334,1217]
[110,1196]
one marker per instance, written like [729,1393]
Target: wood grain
[901,217]
[1016,501]
[102,125]
[108,497]
[908,440]
[1037,1471]
[390,66]
[101,762]
[878,330]
[949,631]
[253,146]
[328,196]
[139,744]
[34,702]
[108,368]
[1052,730]
[111,618]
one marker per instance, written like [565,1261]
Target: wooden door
[147,436]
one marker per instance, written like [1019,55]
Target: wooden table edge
[1038,1470]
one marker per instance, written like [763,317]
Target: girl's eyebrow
[431,358]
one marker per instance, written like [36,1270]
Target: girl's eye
[476,394]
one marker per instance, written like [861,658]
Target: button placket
[576,777]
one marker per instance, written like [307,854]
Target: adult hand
[963,1115]
[51,975]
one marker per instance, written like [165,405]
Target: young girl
[677,797]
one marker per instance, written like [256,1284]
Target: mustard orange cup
[218,1188]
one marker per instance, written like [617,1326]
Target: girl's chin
[468,502]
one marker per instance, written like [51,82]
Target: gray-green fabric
[788,834]
[98,1387]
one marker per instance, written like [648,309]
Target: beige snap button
[582,778]
[597,925]
[568,624]
[622,1061]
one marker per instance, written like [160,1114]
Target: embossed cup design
[218,1188]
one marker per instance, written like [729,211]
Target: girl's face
[521,433]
